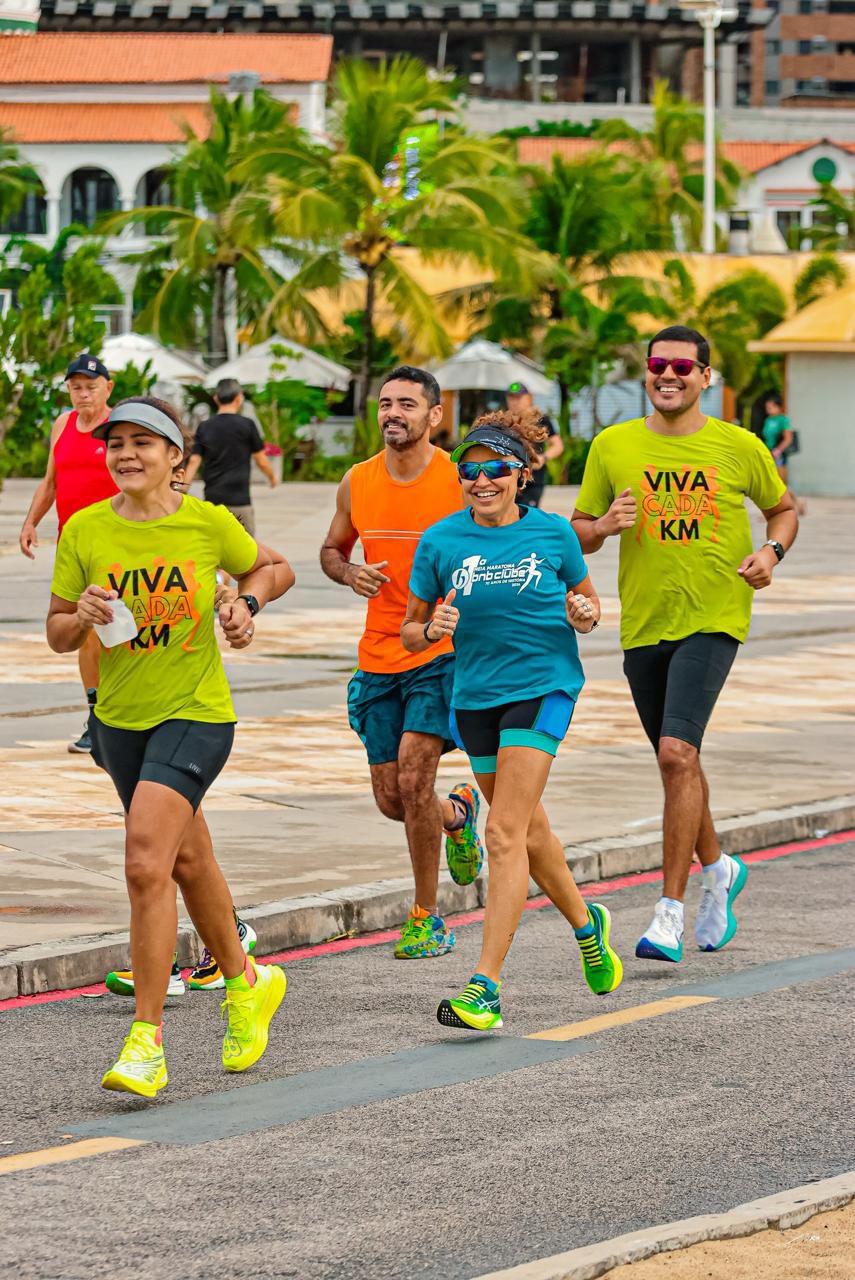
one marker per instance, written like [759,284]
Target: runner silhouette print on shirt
[676,503]
[160,597]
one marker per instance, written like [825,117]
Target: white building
[98,114]
[780,181]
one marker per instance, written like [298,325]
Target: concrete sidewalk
[292,813]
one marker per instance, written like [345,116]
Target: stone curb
[307,920]
[781,1211]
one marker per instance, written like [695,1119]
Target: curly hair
[526,425]
[172,413]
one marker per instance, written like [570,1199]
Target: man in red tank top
[76,477]
[399,702]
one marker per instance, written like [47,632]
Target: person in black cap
[520,400]
[76,476]
[513,590]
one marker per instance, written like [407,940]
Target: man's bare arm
[44,496]
[365,580]
[260,460]
[194,462]
[592,531]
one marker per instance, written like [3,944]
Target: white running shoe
[664,939]
[716,923]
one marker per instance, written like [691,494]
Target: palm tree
[670,160]
[17,180]
[824,274]
[834,221]
[207,259]
[395,188]
[584,214]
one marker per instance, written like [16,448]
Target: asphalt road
[371,1143]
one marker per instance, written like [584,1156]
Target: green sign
[824,170]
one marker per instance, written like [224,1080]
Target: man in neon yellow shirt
[672,487]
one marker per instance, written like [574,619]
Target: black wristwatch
[776,547]
[251,604]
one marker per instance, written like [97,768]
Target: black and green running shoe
[601,965]
[475,1009]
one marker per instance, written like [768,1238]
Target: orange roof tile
[35,122]
[161,58]
[749,156]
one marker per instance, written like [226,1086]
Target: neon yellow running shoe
[601,964]
[141,1066]
[475,1009]
[250,1011]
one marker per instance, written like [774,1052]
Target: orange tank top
[390,517]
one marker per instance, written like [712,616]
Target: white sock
[675,904]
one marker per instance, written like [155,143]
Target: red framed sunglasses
[682,366]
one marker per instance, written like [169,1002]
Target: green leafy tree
[833,226]
[670,168]
[582,348]
[23,256]
[824,274]
[40,336]
[583,215]
[388,192]
[206,270]
[17,179]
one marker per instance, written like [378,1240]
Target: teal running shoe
[716,923]
[664,938]
[463,849]
[423,937]
[475,1009]
[601,965]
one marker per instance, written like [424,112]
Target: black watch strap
[251,604]
[776,547]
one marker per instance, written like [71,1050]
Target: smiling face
[89,395]
[404,415]
[672,395]
[493,499]
[140,461]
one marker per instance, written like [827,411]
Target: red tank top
[81,471]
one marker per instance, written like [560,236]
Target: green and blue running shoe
[601,965]
[475,1009]
[463,849]
[423,937]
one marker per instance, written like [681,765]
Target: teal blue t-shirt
[513,640]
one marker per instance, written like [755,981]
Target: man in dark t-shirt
[520,400]
[227,444]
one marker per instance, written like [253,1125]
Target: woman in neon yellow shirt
[164,723]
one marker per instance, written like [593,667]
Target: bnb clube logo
[475,569]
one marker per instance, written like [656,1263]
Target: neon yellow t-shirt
[165,571]
[677,573]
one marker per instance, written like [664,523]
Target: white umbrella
[137,349]
[485,366]
[255,367]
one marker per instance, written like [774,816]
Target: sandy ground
[821,1249]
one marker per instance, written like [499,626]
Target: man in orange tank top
[398,702]
[76,477]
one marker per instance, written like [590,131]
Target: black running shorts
[675,684]
[184,755]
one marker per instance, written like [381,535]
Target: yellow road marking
[73,1151]
[620,1018]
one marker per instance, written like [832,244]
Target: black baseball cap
[495,439]
[517,389]
[90,366]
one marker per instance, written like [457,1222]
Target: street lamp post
[710,14]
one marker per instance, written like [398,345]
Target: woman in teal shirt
[514,590]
